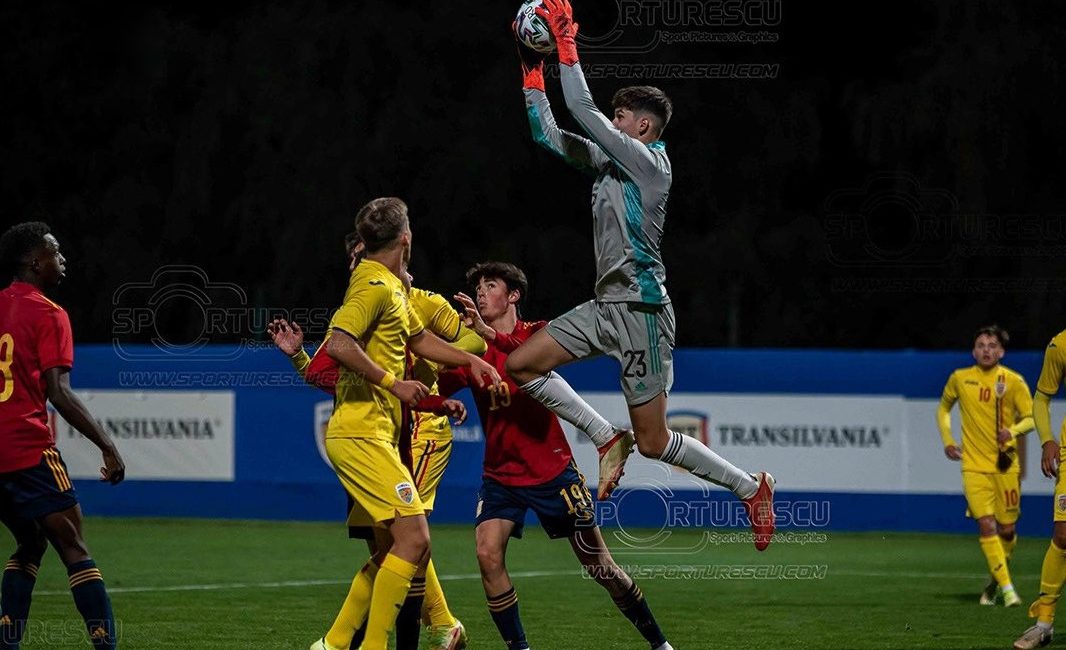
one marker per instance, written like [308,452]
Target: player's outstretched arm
[633,156]
[345,350]
[430,346]
[577,151]
[73,411]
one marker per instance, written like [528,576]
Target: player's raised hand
[114,469]
[481,370]
[454,409]
[409,391]
[288,337]
[532,63]
[472,317]
[560,18]
[952,452]
[1049,459]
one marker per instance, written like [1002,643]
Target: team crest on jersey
[406,492]
[1062,502]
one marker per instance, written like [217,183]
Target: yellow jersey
[377,313]
[976,392]
[439,317]
[1052,374]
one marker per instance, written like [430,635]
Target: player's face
[405,239]
[627,122]
[493,299]
[49,262]
[987,351]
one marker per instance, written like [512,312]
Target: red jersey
[34,336]
[524,443]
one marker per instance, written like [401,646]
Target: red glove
[532,63]
[560,18]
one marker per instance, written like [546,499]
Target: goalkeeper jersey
[628,197]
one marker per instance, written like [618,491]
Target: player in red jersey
[37,500]
[529,465]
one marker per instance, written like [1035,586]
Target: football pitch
[178,583]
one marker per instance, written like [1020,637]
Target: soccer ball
[531,30]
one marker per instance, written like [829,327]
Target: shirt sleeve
[55,342]
[630,154]
[580,152]
[452,381]
[943,411]
[363,307]
[1051,373]
[444,320]
[508,343]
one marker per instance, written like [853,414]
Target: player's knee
[489,558]
[518,369]
[1006,531]
[1059,537]
[986,526]
[31,549]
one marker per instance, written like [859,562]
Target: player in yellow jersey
[369,338]
[1053,571]
[996,408]
[431,448]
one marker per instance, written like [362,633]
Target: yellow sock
[1052,575]
[1008,546]
[435,606]
[997,562]
[390,590]
[356,605]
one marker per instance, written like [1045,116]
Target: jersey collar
[658,145]
[23,288]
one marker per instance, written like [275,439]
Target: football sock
[90,597]
[1052,575]
[1008,546]
[16,590]
[552,391]
[633,605]
[354,609]
[390,590]
[504,611]
[409,619]
[435,605]
[997,562]
[691,454]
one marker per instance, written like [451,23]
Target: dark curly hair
[17,242]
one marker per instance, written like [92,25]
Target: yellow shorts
[431,459]
[374,476]
[988,495]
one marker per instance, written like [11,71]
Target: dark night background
[896,185]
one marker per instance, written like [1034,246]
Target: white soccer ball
[532,30]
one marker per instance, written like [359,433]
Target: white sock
[552,391]
[1043,626]
[691,454]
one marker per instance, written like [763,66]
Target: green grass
[879,590]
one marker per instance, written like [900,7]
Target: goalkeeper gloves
[532,66]
[560,18]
